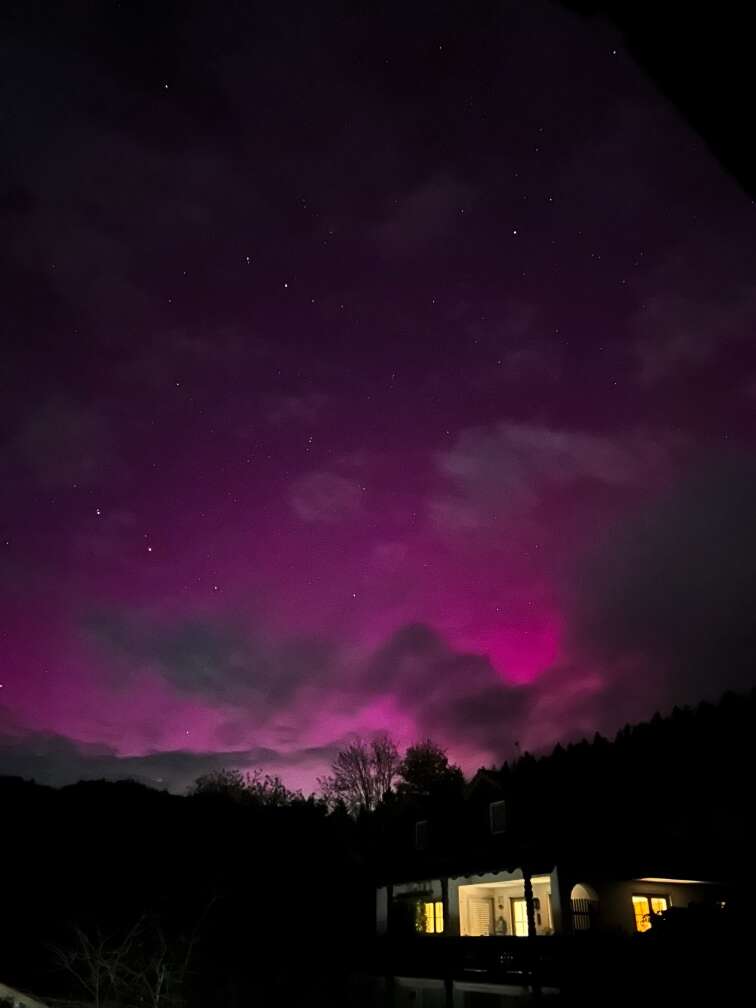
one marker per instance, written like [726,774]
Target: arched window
[584,903]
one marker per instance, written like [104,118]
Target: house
[495,903]
[570,873]
[483,870]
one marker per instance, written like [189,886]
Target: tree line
[207,898]
[364,775]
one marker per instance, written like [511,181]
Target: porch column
[445,902]
[561,905]
[453,927]
[527,879]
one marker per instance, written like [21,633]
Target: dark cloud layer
[451,695]
[668,599]
[447,694]
[211,659]
[54,759]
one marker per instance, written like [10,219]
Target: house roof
[17,999]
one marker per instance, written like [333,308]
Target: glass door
[520,918]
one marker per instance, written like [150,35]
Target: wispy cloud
[326,497]
[297,409]
[505,470]
[425,217]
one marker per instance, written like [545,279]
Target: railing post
[448,992]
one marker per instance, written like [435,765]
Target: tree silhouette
[425,773]
[139,967]
[253,788]
[362,774]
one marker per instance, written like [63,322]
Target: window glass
[520,917]
[644,906]
[431,917]
[642,912]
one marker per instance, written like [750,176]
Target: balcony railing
[506,959]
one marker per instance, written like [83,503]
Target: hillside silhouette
[260,884]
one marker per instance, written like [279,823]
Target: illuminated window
[520,918]
[431,917]
[644,906]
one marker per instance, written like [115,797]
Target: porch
[496,905]
[474,906]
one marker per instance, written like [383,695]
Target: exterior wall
[432,887]
[558,904]
[615,909]
[452,910]
[467,995]
[414,992]
[542,891]
[381,910]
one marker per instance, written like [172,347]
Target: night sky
[364,366]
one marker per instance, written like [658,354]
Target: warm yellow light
[644,906]
[433,917]
[642,913]
[520,918]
